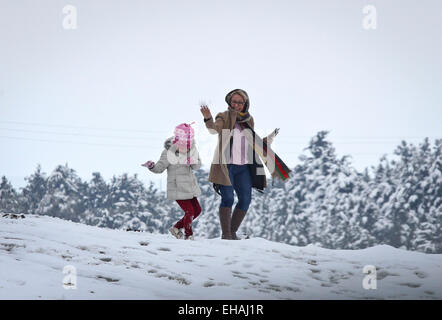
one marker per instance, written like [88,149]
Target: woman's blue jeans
[241,183]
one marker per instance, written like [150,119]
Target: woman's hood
[243,94]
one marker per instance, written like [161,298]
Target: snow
[115,264]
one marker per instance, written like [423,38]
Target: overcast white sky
[104,97]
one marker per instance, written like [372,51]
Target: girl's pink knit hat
[184,134]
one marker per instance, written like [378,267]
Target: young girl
[180,157]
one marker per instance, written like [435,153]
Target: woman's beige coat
[223,126]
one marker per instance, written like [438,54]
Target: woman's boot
[237,217]
[225,221]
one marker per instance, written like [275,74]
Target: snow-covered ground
[114,264]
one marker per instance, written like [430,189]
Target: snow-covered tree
[325,202]
[124,194]
[63,198]
[8,197]
[34,191]
[97,212]
[155,210]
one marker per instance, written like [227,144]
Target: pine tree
[327,222]
[97,213]
[34,191]
[406,193]
[379,193]
[62,198]
[8,197]
[299,221]
[155,209]
[124,196]
[425,201]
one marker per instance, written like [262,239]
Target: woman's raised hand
[205,111]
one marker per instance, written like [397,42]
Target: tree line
[326,201]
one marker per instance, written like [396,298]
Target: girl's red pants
[192,210]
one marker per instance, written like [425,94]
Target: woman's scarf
[273,162]
[241,116]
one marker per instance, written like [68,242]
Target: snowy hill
[114,264]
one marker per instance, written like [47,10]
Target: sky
[105,95]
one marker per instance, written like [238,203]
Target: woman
[230,168]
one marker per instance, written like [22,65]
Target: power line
[282,139]
[78,127]
[76,142]
[147,147]
[76,134]
[144,138]
[347,142]
[334,139]
[163,131]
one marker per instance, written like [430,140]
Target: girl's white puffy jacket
[181,182]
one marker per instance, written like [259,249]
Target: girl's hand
[206,112]
[149,164]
